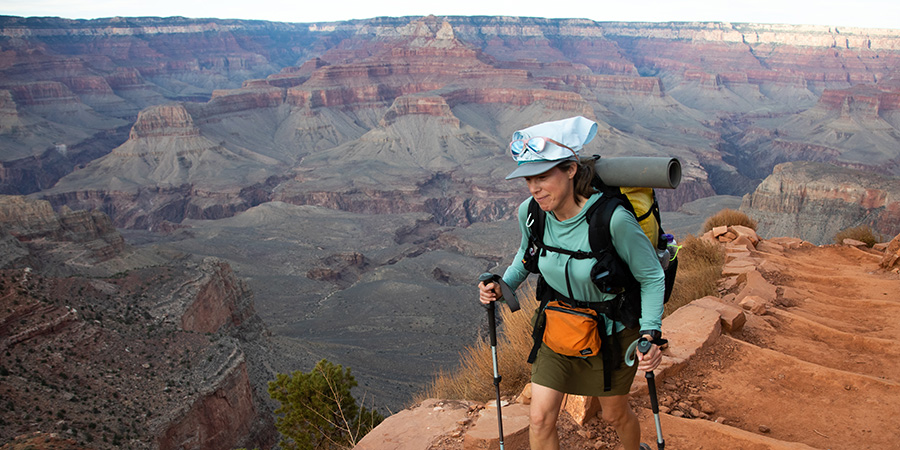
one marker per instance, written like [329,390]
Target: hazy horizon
[861,14]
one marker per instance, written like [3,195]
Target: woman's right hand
[488,293]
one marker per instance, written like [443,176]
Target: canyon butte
[222,200]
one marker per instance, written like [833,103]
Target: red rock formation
[136,324]
[90,85]
[815,201]
[125,78]
[426,105]
[35,221]
[245,99]
[164,120]
[43,93]
[870,101]
[219,419]
[220,301]
[555,100]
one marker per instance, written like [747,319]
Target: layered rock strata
[815,201]
[134,348]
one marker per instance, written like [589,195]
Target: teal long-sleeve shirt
[630,242]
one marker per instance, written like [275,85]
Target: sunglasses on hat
[535,144]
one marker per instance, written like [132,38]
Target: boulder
[484,435]
[891,254]
[688,329]
[719,231]
[745,242]
[525,397]
[754,284]
[854,243]
[731,317]
[745,232]
[581,408]
[754,304]
[419,427]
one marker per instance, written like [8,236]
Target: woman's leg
[545,404]
[618,413]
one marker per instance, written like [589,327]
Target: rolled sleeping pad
[640,171]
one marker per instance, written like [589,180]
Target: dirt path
[820,368]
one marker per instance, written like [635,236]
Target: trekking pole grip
[644,346]
[491,309]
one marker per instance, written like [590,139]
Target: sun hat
[542,147]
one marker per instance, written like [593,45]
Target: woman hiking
[560,182]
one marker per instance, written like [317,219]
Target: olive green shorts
[583,376]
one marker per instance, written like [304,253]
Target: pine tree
[317,411]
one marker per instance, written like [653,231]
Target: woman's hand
[488,293]
[649,361]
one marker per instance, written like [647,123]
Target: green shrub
[317,410]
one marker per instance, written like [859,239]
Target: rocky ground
[798,355]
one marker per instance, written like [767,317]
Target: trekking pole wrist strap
[655,336]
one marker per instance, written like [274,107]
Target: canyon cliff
[284,111]
[819,200]
[125,347]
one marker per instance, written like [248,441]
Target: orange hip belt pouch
[571,331]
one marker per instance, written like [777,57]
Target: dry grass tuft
[728,217]
[699,268]
[474,378]
[862,233]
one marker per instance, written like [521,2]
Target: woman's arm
[515,274]
[635,249]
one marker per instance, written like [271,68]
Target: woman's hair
[584,174]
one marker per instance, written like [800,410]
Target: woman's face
[553,189]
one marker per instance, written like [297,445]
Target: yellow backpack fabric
[642,199]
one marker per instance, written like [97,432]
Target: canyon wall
[161,342]
[816,201]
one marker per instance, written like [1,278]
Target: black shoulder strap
[598,221]
[535,222]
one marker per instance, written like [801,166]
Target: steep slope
[125,347]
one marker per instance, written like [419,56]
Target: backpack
[610,274]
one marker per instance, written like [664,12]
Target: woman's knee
[545,404]
[617,414]
[542,420]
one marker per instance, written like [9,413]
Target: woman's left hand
[649,361]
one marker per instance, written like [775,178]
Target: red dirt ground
[819,370]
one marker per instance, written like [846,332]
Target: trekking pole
[513,303]
[643,345]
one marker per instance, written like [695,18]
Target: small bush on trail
[862,233]
[728,217]
[473,379]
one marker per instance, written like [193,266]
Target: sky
[847,13]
